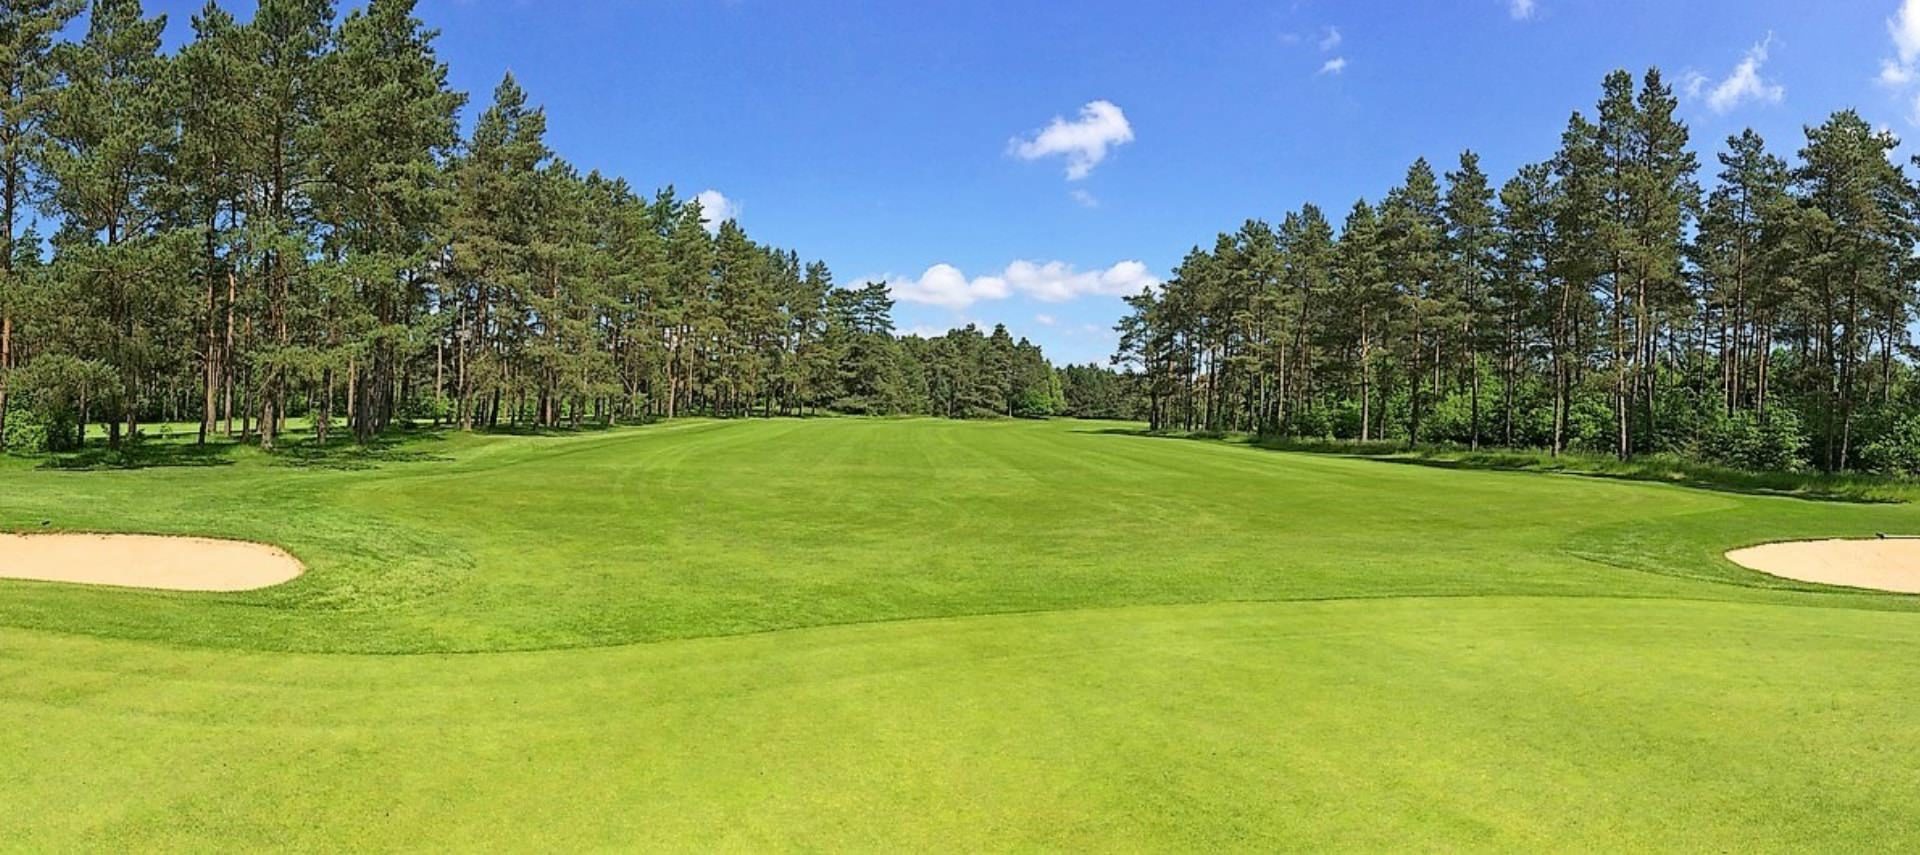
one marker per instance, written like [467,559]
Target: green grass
[1666,468]
[887,635]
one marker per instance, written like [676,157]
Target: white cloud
[1520,10]
[1693,84]
[1048,282]
[1742,86]
[1044,320]
[1904,26]
[1084,141]
[1058,281]
[923,331]
[1894,74]
[1900,71]
[1333,66]
[945,285]
[716,208]
[1085,199]
[1331,40]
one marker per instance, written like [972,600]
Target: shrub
[1312,422]
[1450,419]
[1344,419]
[1745,441]
[429,407]
[26,433]
[1590,425]
[1895,452]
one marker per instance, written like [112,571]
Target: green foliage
[1896,452]
[28,432]
[48,398]
[1096,392]
[1602,305]
[1589,423]
[1746,441]
[280,221]
[1311,422]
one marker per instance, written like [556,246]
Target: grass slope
[885,634]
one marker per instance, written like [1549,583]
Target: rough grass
[836,634]
[1661,468]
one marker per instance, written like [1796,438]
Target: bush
[1590,425]
[26,434]
[1344,419]
[1033,403]
[429,407]
[38,429]
[1533,426]
[1745,441]
[1312,422]
[44,407]
[1896,452]
[1450,419]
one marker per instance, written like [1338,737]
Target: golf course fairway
[845,634]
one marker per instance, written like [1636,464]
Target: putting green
[890,634]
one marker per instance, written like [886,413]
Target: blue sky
[906,140]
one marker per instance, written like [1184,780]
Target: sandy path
[1886,565]
[146,561]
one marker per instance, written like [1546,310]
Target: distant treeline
[281,219]
[1597,300]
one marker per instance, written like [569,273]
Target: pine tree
[1309,249]
[388,124]
[1469,223]
[1575,265]
[110,143]
[27,29]
[497,187]
[686,298]
[1519,291]
[1664,197]
[285,46]
[1414,227]
[1360,281]
[1738,229]
[208,86]
[811,360]
[1859,234]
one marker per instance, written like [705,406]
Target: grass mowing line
[722,528]
[914,635]
[1357,725]
[1654,468]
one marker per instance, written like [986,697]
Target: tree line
[281,219]
[1600,299]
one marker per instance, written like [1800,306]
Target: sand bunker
[1892,564]
[145,561]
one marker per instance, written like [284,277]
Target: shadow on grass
[1661,469]
[343,453]
[556,430]
[398,445]
[143,455]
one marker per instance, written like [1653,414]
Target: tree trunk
[210,365]
[6,368]
[9,203]
[227,367]
[1366,376]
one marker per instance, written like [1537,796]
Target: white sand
[1884,565]
[146,561]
